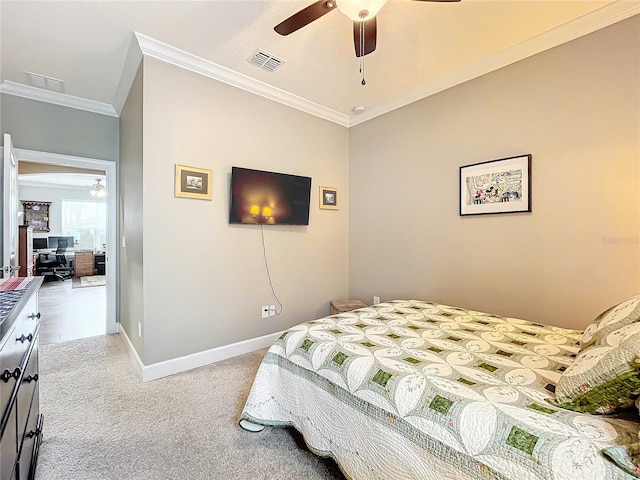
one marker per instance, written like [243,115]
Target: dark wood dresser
[21,427]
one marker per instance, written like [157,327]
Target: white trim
[133,354]
[195,360]
[57,98]
[175,56]
[588,23]
[110,169]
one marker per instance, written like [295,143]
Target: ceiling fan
[362,12]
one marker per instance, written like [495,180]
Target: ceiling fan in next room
[362,12]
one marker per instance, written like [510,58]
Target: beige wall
[130,212]
[576,109]
[205,280]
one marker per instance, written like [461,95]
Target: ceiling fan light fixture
[360,10]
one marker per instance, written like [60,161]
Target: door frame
[110,169]
[8,266]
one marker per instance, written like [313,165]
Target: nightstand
[341,306]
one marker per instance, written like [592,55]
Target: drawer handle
[33,433]
[22,338]
[8,375]
[31,378]
[34,315]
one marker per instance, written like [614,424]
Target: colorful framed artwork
[192,182]
[329,198]
[497,186]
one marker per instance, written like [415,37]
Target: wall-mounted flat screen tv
[270,198]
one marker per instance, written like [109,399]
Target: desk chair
[56,266]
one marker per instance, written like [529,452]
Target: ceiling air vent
[265,60]
[42,81]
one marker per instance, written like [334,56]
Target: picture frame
[496,186]
[329,198]
[36,215]
[193,182]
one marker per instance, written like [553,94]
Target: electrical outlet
[265,311]
[272,310]
[376,300]
[140,329]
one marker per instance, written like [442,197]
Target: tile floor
[69,313]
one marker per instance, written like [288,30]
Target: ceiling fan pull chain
[362,49]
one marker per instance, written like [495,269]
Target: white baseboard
[195,360]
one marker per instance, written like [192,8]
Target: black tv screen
[270,198]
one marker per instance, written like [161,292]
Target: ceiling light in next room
[357,109]
[42,81]
[98,189]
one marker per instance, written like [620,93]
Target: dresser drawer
[28,386]
[30,439]
[9,445]
[84,258]
[10,357]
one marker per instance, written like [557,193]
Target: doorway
[110,248]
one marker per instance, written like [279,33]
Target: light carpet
[101,422]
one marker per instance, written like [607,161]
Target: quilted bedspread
[417,390]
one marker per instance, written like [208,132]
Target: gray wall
[46,127]
[131,215]
[205,280]
[576,109]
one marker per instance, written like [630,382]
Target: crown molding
[42,95]
[143,45]
[578,27]
[172,55]
[128,76]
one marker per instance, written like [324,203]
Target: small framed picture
[497,186]
[329,198]
[192,182]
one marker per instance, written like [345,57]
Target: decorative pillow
[605,376]
[614,318]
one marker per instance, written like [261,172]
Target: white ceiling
[422,47]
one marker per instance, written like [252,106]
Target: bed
[417,390]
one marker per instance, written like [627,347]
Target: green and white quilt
[417,390]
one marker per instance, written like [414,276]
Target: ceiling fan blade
[305,17]
[370,34]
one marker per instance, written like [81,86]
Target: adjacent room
[406,232]
[63,239]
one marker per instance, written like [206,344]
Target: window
[87,222]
